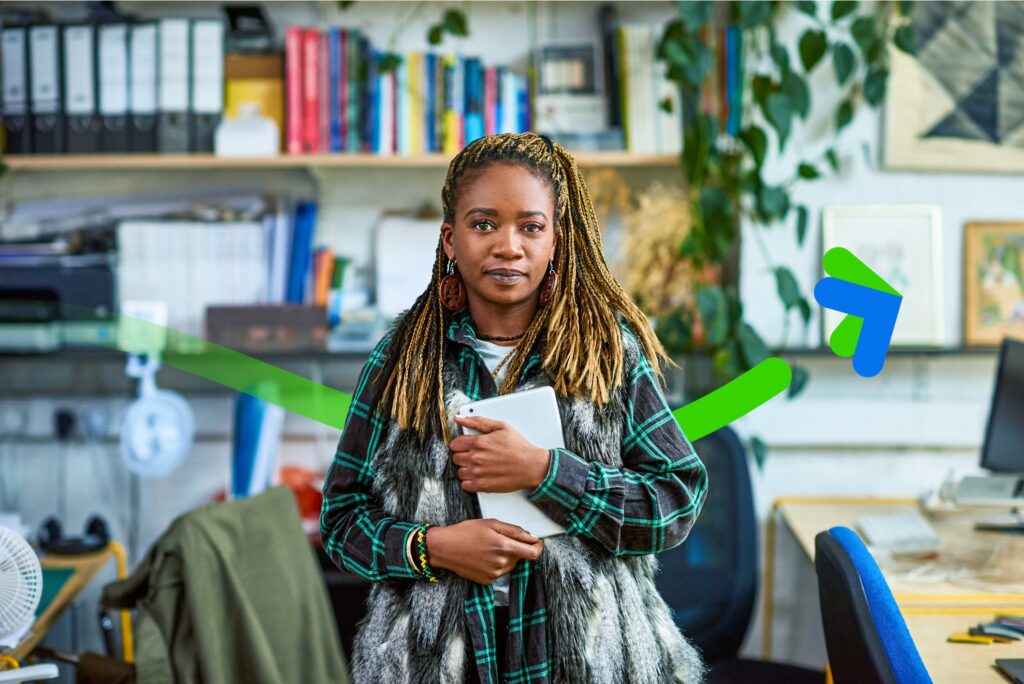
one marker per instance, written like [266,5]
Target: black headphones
[52,539]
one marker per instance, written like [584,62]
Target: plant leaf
[455,22]
[389,61]
[841,8]
[905,7]
[773,202]
[800,377]
[833,158]
[874,86]
[805,310]
[758,449]
[787,287]
[843,115]
[435,35]
[807,171]
[750,14]
[812,48]
[756,141]
[695,14]
[714,312]
[808,7]
[780,57]
[842,60]
[780,115]
[863,32]
[801,224]
[904,39]
[751,345]
[796,90]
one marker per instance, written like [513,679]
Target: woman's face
[504,234]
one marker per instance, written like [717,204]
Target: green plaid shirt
[647,506]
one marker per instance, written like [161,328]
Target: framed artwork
[903,245]
[993,282]
[958,104]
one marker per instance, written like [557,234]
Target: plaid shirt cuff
[396,545]
[562,490]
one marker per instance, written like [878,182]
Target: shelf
[825,352]
[163,162]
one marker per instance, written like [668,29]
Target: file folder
[113,87]
[173,69]
[81,116]
[17,120]
[142,90]
[46,105]
[207,82]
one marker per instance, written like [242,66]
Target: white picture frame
[903,245]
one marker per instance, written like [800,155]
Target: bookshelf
[114,162]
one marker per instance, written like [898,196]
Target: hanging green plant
[723,169]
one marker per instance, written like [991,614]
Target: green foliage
[812,48]
[453,22]
[725,177]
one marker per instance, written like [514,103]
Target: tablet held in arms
[534,414]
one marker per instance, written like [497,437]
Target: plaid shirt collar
[462,330]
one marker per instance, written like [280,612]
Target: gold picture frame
[993,282]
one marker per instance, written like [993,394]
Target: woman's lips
[509,279]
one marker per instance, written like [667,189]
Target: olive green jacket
[232,593]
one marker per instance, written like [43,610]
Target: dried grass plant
[649,266]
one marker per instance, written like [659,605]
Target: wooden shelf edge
[80,162]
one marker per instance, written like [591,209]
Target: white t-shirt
[493,354]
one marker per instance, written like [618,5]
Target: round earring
[452,291]
[548,285]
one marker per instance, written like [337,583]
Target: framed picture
[903,245]
[993,282]
[956,104]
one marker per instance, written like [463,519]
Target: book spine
[334,82]
[490,98]
[293,88]
[310,87]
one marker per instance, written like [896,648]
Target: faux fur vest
[607,619]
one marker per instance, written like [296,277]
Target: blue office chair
[710,580]
[857,611]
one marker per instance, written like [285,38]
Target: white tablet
[534,414]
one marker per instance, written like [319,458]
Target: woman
[520,297]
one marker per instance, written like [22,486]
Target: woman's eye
[534,227]
[481,223]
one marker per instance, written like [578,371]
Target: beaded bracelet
[432,574]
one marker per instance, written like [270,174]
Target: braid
[582,344]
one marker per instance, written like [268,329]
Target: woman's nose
[508,242]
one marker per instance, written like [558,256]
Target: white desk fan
[21,586]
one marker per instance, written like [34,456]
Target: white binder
[142,89]
[113,87]
[207,103]
[83,123]
[173,66]
[534,414]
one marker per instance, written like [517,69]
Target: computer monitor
[1003,449]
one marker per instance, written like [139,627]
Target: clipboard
[534,414]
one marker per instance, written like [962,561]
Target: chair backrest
[710,580]
[867,640]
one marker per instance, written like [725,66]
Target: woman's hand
[498,460]
[481,550]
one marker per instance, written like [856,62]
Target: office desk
[85,569]
[932,609]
